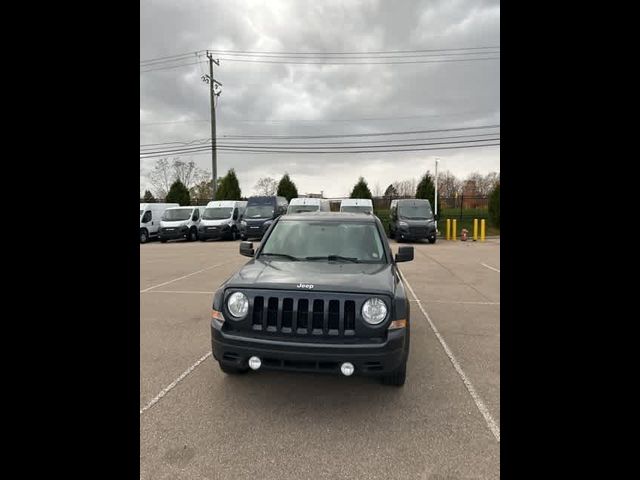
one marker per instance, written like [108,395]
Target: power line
[170,67]
[287,62]
[362,57]
[204,140]
[161,59]
[151,61]
[258,52]
[409,132]
[309,149]
[238,150]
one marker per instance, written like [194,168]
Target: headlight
[403,224]
[268,222]
[238,305]
[374,311]
[243,223]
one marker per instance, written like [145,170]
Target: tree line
[186,184]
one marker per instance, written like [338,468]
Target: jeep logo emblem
[305,285]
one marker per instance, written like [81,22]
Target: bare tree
[377,190]
[165,173]
[484,183]
[161,178]
[266,186]
[406,188]
[448,185]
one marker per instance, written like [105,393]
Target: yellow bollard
[475,229]
[453,232]
[448,229]
[482,229]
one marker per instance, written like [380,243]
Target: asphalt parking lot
[198,423]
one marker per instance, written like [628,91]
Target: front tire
[243,237]
[193,235]
[230,370]
[144,235]
[163,240]
[432,239]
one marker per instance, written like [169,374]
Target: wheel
[432,239]
[230,370]
[391,233]
[163,240]
[243,237]
[397,377]
[144,236]
[234,234]
[193,235]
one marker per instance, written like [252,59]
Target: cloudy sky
[283,99]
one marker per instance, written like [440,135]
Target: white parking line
[184,276]
[456,303]
[169,387]
[180,291]
[489,267]
[472,391]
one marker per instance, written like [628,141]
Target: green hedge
[383,215]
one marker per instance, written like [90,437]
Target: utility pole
[213,83]
[436,199]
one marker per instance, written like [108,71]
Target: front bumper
[409,234]
[219,232]
[254,231]
[173,234]
[233,349]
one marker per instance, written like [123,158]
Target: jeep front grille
[303,316]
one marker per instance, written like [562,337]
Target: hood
[324,276]
[215,223]
[416,223]
[177,223]
[256,221]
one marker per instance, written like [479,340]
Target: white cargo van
[150,215]
[300,205]
[221,219]
[180,222]
[356,205]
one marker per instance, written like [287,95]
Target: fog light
[254,363]
[347,369]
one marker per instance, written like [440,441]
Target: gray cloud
[315,100]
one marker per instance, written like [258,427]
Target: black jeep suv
[322,293]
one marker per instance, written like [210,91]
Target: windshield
[303,208]
[356,209]
[259,211]
[421,211]
[177,214]
[217,213]
[324,241]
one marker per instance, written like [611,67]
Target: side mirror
[405,254]
[246,249]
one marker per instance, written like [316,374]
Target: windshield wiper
[283,255]
[333,258]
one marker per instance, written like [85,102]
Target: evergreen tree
[286,188]
[361,189]
[148,197]
[179,194]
